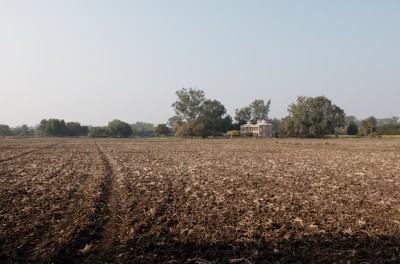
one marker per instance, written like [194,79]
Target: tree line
[23,130]
[118,128]
[371,126]
[308,117]
[198,116]
[312,117]
[60,128]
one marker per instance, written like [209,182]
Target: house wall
[259,130]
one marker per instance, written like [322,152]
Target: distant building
[261,129]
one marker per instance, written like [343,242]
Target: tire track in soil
[99,235]
[106,249]
[13,157]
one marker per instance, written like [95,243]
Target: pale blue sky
[93,61]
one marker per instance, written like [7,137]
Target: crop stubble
[219,201]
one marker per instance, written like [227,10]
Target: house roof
[259,123]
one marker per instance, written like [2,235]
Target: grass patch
[391,136]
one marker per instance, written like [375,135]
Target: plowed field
[199,201]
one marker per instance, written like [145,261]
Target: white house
[261,129]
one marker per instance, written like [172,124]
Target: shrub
[233,133]
[352,129]
[247,134]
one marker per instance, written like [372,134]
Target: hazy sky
[94,61]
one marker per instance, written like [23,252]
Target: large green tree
[58,128]
[98,131]
[189,104]
[368,125]
[211,118]
[172,121]
[73,129]
[352,129]
[142,129]
[198,116]
[52,128]
[257,110]
[351,120]
[24,130]
[260,110]
[118,128]
[312,117]
[21,131]
[5,130]
[243,115]
[277,123]
[162,129]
